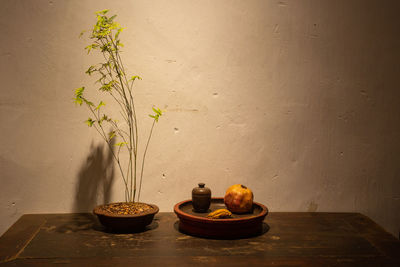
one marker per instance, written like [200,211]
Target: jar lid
[201,190]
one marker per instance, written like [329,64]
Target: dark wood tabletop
[289,239]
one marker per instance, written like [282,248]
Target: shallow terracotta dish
[125,223]
[240,226]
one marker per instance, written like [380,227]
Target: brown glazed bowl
[125,223]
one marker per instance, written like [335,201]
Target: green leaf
[105,65]
[90,70]
[88,48]
[91,46]
[107,86]
[157,114]
[119,30]
[157,111]
[111,135]
[90,122]
[100,105]
[120,144]
[79,95]
[106,47]
[155,117]
[102,12]
[134,78]
[120,44]
[82,32]
[104,118]
[78,100]
[79,91]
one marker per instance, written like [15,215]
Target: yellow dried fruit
[220,214]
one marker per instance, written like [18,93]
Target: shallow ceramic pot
[126,223]
[239,226]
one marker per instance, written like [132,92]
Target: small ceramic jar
[201,198]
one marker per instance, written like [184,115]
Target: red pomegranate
[239,199]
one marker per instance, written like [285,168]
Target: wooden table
[290,239]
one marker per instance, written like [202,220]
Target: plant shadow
[95,179]
[77,222]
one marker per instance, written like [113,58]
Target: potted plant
[113,80]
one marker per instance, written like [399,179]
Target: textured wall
[299,100]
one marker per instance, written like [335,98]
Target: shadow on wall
[95,179]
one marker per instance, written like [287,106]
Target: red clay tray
[240,226]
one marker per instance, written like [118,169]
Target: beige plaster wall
[299,100]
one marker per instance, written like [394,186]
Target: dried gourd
[220,214]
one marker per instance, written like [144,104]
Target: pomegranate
[239,199]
